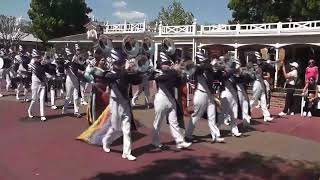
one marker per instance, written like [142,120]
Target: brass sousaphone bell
[105,44]
[168,46]
[148,45]
[130,46]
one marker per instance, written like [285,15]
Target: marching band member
[38,84]
[60,74]
[243,78]
[2,71]
[23,74]
[229,96]
[83,84]
[259,90]
[73,70]
[52,81]
[144,86]
[203,98]
[165,104]
[121,117]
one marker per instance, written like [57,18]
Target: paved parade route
[284,149]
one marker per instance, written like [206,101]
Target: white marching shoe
[304,114]
[105,146]
[54,107]
[129,157]
[309,114]
[267,119]
[238,134]
[183,145]
[1,95]
[282,114]
[43,118]
[218,140]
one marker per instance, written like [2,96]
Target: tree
[174,14]
[12,30]
[257,11]
[56,18]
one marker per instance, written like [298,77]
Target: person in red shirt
[311,71]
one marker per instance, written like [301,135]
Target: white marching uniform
[244,103]
[38,87]
[143,87]
[229,106]
[22,83]
[203,101]
[120,109]
[165,107]
[72,89]
[259,92]
[120,121]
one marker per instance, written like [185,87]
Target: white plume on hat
[294,64]
[34,53]
[257,54]
[89,53]
[164,57]
[10,50]
[20,48]
[68,52]
[77,46]
[201,56]
[115,55]
[2,52]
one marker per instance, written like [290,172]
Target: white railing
[218,29]
[171,30]
[125,28]
[245,29]
[300,26]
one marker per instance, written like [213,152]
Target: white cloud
[119,4]
[129,15]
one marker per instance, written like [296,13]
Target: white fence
[125,28]
[218,29]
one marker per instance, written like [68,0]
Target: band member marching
[22,62]
[144,86]
[121,117]
[83,84]
[203,98]
[259,89]
[165,104]
[229,96]
[38,84]
[73,71]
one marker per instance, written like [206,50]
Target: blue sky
[205,11]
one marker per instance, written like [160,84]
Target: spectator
[311,71]
[311,92]
[291,79]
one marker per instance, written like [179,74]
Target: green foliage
[175,14]
[257,11]
[56,18]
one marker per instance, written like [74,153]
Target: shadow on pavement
[245,166]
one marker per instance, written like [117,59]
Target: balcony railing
[125,28]
[217,29]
